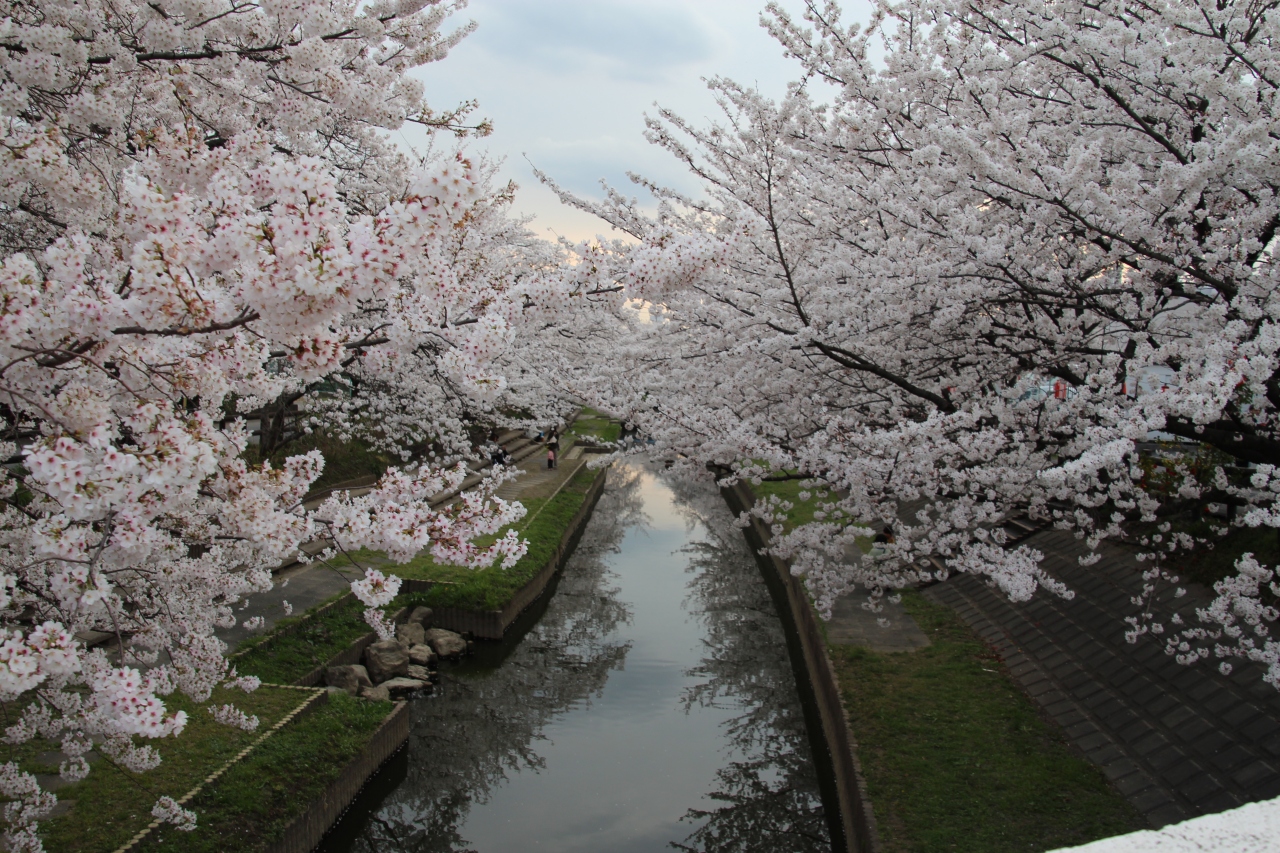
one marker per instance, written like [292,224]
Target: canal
[649,706]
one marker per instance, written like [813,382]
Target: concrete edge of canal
[493,624]
[857,823]
[306,831]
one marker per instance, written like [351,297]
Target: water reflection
[652,706]
[769,798]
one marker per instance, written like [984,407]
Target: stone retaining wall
[492,624]
[857,820]
[306,830]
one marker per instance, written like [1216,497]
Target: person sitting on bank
[880,543]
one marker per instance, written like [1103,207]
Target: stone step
[529,449]
[510,435]
[519,443]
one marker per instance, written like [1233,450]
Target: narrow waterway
[651,706]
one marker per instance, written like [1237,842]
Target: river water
[650,707]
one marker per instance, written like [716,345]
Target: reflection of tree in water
[770,795]
[483,720]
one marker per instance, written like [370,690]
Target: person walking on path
[553,447]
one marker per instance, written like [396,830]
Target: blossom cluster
[203,219]
[981,278]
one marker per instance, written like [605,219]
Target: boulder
[421,673]
[376,694]
[352,678]
[402,686]
[410,634]
[386,659]
[420,616]
[447,644]
[422,655]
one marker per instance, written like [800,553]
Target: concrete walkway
[891,629]
[305,586]
[1177,741]
[888,629]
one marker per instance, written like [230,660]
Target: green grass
[343,460]
[957,758]
[284,658]
[802,511]
[595,428]
[112,805]
[1206,565]
[249,806]
[492,588]
[789,490]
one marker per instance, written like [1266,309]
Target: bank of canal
[651,706]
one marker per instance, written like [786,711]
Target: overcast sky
[567,83]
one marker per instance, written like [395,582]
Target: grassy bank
[282,657]
[249,807]
[593,427]
[343,460]
[492,588]
[802,509]
[957,758]
[112,805]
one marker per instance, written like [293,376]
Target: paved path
[305,586]
[853,623]
[1177,741]
[890,630]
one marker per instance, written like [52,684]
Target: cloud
[567,84]
[579,165]
[624,39]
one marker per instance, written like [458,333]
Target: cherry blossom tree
[200,206]
[977,280]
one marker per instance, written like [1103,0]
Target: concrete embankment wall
[857,821]
[493,624]
[306,830]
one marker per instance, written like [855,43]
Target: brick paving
[1176,741]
